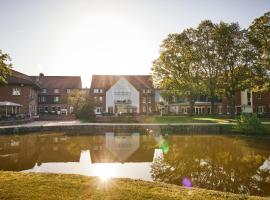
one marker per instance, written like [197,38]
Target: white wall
[128,91]
[244,102]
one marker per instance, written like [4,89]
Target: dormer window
[16,91]
[44,91]
[98,90]
[56,91]
[147,91]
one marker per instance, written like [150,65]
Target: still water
[226,163]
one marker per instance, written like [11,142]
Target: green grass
[185,119]
[27,186]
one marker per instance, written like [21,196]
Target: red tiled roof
[20,78]
[59,82]
[107,81]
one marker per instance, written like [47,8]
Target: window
[98,90]
[68,91]
[56,90]
[144,99]
[261,109]
[16,91]
[100,98]
[98,110]
[149,99]
[95,99]
[259,95]
[43,99]
[249,98]
[43,90]
[55,99]
[147,90]
[144,109]
[110,109]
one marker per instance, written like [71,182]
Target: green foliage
[5,66]
[76,99]
[259,36]
[86,111]
[249,123]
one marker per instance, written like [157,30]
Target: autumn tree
[234,61]
[259,37]
[175,70]
[5,66]
[207,58]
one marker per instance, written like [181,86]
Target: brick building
[22,90]
[52,98]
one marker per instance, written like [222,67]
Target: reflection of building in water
[122,146]
[115,169]
[14,155]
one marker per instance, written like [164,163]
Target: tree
[234,60]
[5,66]
[175,70]
[259,37]
[207,58]
[86,112]
[76,99]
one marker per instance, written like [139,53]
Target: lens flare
[186,182]
[164,146]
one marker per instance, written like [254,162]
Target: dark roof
[18,78]
[60,82]
[107,81]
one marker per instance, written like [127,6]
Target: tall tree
[234,61]
[5,65]
[259,36]
[207,58]
[176,70]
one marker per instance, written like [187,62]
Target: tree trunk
[191,104]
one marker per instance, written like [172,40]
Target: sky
[85,37]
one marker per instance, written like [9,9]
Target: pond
[227,163]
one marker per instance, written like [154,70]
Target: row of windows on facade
[99,90]
[55,90]
[110,109]
[43,99]
[16,91]
[144,99]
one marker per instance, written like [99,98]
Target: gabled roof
[107,81]
[60,82]
[18,78]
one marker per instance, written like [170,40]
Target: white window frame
[16,91]
[56,90]
[56,99]
[43,90]
[98,90]
[43,99]
[68,90]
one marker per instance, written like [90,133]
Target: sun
[105,171]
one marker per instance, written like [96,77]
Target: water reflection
[235,164]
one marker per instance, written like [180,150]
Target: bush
[86,112]
[249,123]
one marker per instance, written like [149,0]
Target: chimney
[41,75]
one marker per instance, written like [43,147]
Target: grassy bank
[26,186]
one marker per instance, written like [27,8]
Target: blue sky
[85,37]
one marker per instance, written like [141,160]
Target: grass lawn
[185,119]
[27,186]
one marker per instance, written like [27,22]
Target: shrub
[249,123]
[86,112]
